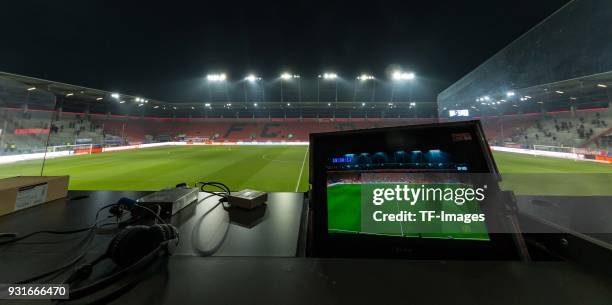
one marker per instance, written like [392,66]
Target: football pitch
[281,169]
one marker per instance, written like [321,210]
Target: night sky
[164,50]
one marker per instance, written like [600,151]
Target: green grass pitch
[344,216]
[282,168]
[267,168]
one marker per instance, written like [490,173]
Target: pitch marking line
[301,171]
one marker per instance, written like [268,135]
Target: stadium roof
[84,99]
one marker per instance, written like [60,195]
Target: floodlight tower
[253,79]
[217,78]
[400,76]
[328,76]
[363,78]
[286,76]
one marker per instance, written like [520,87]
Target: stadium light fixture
[486,98]
[559,91]
[254,104]
[31,88]
[288,76]
[363,104]
[602,86]
[399,75]
[70,94]
[329,76]
[207,105]
[252,78]
[216,77]
[122,102]
[288,104]
[365,77]
[99,99]
[412,104]
[328,104]
[115,95]
[510,93]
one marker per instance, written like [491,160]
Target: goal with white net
[556,151]
[76,149]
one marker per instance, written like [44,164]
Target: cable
[16,239]
[157,217]
[89,239]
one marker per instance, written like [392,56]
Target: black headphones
[135,242]
[132,248]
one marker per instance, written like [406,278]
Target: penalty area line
[301,171]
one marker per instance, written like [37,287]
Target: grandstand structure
[551,87]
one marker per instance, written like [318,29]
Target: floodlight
[328,104]
[207,105]
[365,77]
[330,76]
[155,107]
[70,94]
[486,98]
[115,95]
[602,86]
[99,99]
[412,104]
[216,77]
[31,88]
[559,91]
[510,93]
[252,78]
[399,75]
[288,76]
[362,104]
[254,104]
[122,102]
[288,104]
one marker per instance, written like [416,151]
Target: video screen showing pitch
[404,193]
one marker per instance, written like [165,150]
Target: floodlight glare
[99,99]
[330,76]
[362,104]
[365,77]
[216,77]
[255,104]
[288,76]
[399,75]
[252,78]
[510,93]
[288,104]
[602,86]
[31,88]
[207,105]
[115,95]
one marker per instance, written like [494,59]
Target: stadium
[543,104]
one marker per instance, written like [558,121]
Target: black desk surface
[242,275]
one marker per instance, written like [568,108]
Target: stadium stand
[28,131]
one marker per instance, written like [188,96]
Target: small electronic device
[170,201]
[247,199]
